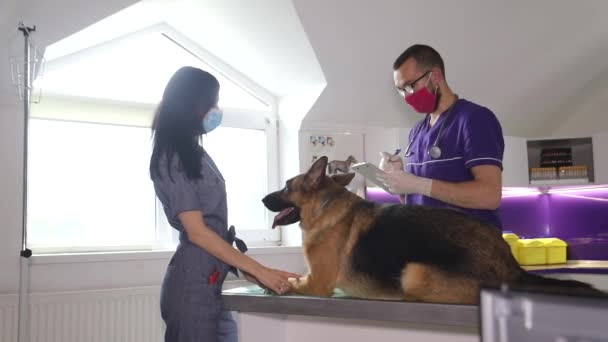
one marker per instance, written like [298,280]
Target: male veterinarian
[454,153]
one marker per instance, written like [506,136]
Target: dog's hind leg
[428,284]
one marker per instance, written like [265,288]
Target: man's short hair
[425,56]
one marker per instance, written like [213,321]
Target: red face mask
[422,101]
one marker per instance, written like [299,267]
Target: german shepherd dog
[396,252]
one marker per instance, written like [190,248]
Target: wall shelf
[563,156]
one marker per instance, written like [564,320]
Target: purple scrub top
[471,136]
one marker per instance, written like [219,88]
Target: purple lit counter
[587,248]
[576,214]
[572,267]
[379,195]
[594,272]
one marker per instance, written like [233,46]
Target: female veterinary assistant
[193,193]
[454,153]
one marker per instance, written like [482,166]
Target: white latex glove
[390,162]
[403,183]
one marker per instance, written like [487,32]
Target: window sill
[70,258]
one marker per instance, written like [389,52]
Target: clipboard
[369,171]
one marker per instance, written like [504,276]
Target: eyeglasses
[409,88]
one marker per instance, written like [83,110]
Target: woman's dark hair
[177,126]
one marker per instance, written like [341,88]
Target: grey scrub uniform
[190,298]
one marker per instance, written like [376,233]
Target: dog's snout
[274,202]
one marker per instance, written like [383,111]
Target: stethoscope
[434,151]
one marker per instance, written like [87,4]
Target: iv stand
[24,275]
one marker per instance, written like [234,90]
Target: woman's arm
[199,234]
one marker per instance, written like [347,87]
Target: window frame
[184,42]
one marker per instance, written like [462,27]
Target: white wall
[584,113]
[10,161]
[49,274]
[61,18]
[55,20]
[10,194]
[50,20]
[498,54]
[122,270]
[303,329]
[280,328]
[376,138]
[349,99]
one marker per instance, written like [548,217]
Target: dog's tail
[537,283]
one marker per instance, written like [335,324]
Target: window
[240,154]
[242,158]
[89,187]
[136,68]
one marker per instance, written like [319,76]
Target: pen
[397,151]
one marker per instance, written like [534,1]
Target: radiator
[118,315]
[8,318]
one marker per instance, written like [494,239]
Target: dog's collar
[322,206]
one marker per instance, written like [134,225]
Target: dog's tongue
[280,215]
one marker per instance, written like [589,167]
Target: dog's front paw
[298,282]
[304,286]
[294,285]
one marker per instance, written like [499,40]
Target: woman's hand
[276,280]
[207,239]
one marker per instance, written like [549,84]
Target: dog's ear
[316,174]
[344,178]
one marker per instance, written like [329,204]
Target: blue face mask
[212,120]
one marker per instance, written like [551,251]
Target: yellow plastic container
[541,251]
[555,249]
[531,252]
[511,239]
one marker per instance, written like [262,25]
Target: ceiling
[525,60]
[532,62]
